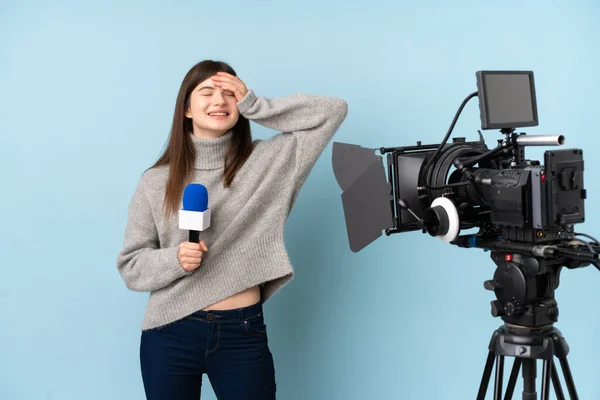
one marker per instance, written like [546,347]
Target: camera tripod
[524,288]
[528,345]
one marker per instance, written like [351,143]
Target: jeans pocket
[255,326]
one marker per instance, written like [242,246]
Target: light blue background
[87,92]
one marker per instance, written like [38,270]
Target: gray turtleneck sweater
[246,236]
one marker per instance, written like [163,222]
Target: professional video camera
[525,214]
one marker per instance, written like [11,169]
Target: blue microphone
[195,215]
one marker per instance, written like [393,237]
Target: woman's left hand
[230,82]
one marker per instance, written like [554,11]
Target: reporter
[204,313]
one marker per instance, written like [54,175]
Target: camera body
[534,203]
[517,199]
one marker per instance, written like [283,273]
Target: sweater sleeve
[143,265]
[311,120]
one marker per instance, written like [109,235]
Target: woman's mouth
[218,115]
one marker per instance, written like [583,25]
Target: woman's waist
[245,298]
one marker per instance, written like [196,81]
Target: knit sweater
[246,238]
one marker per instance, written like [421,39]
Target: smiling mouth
[218,114]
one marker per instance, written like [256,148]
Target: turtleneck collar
[210,153]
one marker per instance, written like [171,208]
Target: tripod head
[527,277]
[524,288]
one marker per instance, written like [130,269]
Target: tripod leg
[485,379]
[556,382]
[499,375]
[568,378]
[529,375]
[547,367]
[510,389]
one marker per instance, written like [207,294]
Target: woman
[204,312]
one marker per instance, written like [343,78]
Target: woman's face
[213,110]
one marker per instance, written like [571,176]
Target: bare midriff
[245,298]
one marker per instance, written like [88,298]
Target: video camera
[525,213]
[522,208]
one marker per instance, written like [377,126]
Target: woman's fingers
[230,82]
[190,255]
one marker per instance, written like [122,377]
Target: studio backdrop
[87,93]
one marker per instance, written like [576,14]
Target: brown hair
[180,153]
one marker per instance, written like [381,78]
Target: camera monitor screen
[506,99]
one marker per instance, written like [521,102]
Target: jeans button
[210,316]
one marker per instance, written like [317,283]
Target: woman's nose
[218,98]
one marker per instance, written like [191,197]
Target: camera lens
[436,221]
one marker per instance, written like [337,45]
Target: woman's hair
[180,153]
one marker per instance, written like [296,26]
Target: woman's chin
[222,126]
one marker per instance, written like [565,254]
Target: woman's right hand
[190,254]
[230,82]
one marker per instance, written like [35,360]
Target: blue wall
[86,98]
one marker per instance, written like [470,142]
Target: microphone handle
[195,236]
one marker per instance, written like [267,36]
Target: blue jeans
[229,346]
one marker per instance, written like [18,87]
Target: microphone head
[195,197]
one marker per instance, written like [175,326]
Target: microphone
[195,214]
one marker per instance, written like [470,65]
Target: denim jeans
[229,346]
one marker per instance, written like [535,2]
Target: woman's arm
[312,120]
[143,265]
[309,120]
[320,115]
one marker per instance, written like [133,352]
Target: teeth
[218,114]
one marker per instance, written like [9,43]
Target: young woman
[204,312]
